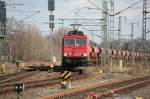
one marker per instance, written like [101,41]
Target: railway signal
[19,87]
[17,66]
[51,17]
[51,8]
[51,25]
[51,5]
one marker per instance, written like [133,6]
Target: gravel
[36,93]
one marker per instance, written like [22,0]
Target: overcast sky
[74,9]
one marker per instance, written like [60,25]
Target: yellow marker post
[138,97]
[3,66]
[64,73]
[23,66]
[0,68]
[100,73]
[68,75]
[54,60]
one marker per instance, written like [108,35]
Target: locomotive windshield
[80,42]
[74,42]
[69,42]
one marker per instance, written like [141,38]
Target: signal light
[51,5]
[51,25]
[51,17]
[19,87]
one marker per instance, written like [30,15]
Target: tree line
[26,42]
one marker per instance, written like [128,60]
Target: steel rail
[90,87]
[6,76]
[18,77]
[122,89]
[40,83]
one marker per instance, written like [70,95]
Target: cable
[22,10]
[89,8]
[76,13]
[125,8]
[30,15]
[93,4]
[27,16]
[73,10]
[14,4]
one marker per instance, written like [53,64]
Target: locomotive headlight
[67,54]
[83,54]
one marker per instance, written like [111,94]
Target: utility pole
[111,19]
[133,46]
[104,30]
[144,30]
[119,30]
[144,19]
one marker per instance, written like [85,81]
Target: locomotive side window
[69,42]
[80,42]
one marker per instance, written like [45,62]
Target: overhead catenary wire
[23,11]
[125,8]
[94,4]
[30,16]
[73,10]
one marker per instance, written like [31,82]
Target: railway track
[18,76]
[101,89]
[6,76]
[121,89]
[9,87]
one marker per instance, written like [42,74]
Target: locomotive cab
[75,48]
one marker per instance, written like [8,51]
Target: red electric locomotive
[75,48]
